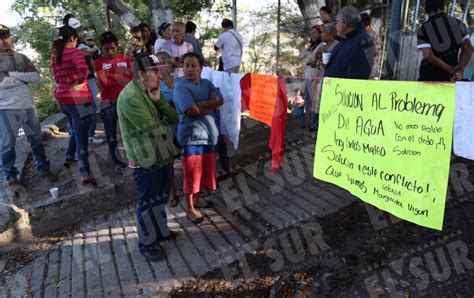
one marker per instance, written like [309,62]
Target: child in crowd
[297,104]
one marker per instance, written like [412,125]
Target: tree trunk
[160,11]
[310,10]
[122,11]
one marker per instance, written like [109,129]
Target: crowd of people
[153,92]
[165,110]
[352,44]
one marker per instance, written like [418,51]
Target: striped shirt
[72,70]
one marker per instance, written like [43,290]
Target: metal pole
[404,20]
[278,39]
[466,9]
[234,13]
[394,37]
[453,7]
[415,17]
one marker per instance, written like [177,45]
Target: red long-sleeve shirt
[113,74]
[72,70]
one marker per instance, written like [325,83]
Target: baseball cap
[144,62]
[74,23]
[4,31]
[88,36]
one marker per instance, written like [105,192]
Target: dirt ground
[367,255]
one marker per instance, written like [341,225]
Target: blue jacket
[353,57]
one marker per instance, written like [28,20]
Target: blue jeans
[108,112]
[93,89]
[78,117]
[10,123]
[153,188]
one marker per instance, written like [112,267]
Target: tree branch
[160,11]
[122,11]
[310,10]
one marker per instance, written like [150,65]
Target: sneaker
[50,176]
[153,254]
[95,141]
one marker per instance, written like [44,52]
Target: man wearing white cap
[71,21]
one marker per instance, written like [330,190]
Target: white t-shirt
[231,48]
[176,50]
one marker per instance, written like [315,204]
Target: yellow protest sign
[388,143]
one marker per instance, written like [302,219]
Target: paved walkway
[102,258]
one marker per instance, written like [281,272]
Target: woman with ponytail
[72,93]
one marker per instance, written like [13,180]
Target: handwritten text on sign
[388,143]
[263,94]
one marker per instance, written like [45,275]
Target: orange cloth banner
[267,102]
[262,97]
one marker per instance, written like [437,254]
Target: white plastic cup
[326,58]
[54,192]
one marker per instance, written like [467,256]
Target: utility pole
[393,38]
[234,13]
[278,39]
[466,9]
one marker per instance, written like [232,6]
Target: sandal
[196,221]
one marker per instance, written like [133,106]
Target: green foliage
[44,99]
[36,33]
[259,29]
[262,44]
[188,10]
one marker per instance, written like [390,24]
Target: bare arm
[205,107]
[431,58]
[196,111]
[464,59]
[210,104]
